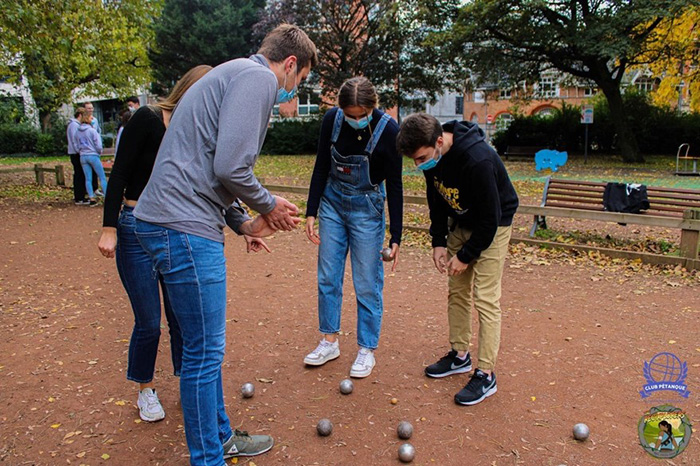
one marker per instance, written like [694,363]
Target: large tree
[596,40]
[202,32]
[379,39]
[94,47]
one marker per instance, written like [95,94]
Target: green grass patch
[33,159]
[36,193]
[647,245]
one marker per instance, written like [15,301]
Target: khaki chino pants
[480,284]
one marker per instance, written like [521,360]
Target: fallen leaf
[264,380]
[56,426]
[81,454]
[105,456]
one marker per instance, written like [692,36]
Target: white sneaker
[364,363]
[324,352]
[149,405]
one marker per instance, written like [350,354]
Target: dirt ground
[576,333]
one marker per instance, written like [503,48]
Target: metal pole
[585,147]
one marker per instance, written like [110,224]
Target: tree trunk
[45,118]
[626,139]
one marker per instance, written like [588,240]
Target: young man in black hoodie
[472,203]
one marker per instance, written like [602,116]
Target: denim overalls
[351,216]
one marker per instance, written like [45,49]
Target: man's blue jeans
[194,275]
[141,284]
[351,221]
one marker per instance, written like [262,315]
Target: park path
[576,333]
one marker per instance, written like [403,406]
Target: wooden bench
[522,151]
[669,208]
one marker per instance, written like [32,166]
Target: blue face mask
[430,164]
[362,123]
[283,95]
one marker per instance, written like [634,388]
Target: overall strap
[378,130]
[337,124]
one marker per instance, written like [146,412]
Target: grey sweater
[207,156]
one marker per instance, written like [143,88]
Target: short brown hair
[80,111]
[185,82]
[357,91]
[286,40]
[417,130]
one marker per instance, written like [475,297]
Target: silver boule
[581,432]
[386,254]
[248,390]
[407,453]
[346,386]
[324,427]
[404,430]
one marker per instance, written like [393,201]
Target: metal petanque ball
[248,390]
[346,386]
[404,430]
[386,254]
[407,452]
[324,427]
[581,432]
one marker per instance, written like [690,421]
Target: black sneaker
[242,444]
[92,203]
[479,387]
[448,365]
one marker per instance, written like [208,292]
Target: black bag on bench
[628,198]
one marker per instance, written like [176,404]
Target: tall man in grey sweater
[204,163]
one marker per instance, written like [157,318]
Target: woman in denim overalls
[347,191]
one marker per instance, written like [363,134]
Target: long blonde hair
[189,78]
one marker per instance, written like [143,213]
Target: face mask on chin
[283,95]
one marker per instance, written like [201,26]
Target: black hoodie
[471,185]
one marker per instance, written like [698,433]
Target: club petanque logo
[665,372]
[664,431]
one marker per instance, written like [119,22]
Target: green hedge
[292,137]
[659,130]
[23,138]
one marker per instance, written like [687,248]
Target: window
[546,112]
[308,102]
[479,97]
[547,87]
[504,94]
[644,84]
[459,105]
[276,110]
[589,91]
[503,121]
[475,118]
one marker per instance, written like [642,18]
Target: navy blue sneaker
[448,365]
[480,387]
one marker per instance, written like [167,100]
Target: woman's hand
[311,231]
[108,242]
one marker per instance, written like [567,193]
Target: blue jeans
[194,276]
[89,163]
[351,221]
[141,284]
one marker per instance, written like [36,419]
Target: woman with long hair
[356,154]
[138,147]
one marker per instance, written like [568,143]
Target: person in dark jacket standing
[472,203]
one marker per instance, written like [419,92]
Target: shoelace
[152,400]
[361,358]
[321,346]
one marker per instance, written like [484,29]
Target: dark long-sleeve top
[138,147]
[385,164]
[471,185]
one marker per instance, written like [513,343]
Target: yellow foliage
[671,55]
